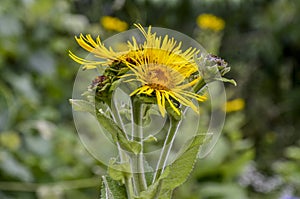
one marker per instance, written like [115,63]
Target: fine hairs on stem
[162,161]
[123,156]
[139,179]
[165,152]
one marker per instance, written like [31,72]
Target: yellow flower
[210,22]
[159,66]
[113,23]
[97,48]
[235,105]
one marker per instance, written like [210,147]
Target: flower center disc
[159,77]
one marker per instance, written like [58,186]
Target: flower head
[161,69]
[210,22]
[113,23]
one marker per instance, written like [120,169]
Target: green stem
[123,156]
[117,117]
[161,164]
[129,188]
[139,178]
[128,180]
[199,86]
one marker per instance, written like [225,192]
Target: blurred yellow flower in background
[210,22]
[10,140]
[113,23]
[235,105]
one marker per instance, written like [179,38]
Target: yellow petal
[159,104]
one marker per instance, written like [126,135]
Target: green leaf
[150,138]
[151,191]
[112,189]
[133,146]
[117,133]
[108,124]
[182,167]
[119,171]
[82,105]
[223,79]
[176,173]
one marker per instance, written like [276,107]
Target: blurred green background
[258,154]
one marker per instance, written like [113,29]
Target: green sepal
[147,99]
[213,68]
[123,71]
[114,85]
[105,87]
[172,113]
[112,189]
[199,86]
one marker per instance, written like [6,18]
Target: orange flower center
[159,77]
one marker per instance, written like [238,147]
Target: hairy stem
[138,159]
[161,164]
[123,156]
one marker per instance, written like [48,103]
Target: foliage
[38,143]
[39,149]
